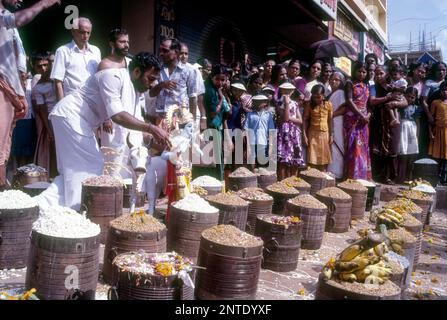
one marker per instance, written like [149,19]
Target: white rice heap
[63,222]
[14,199]
[424,188]
[207,181]
[366,183]
[328,176]
[194,203]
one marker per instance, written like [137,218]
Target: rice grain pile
[207,181]
[264,172]
[195,203]
[314,173]
[366,183]
[401,236]
[66,223]
[254,194]
[14,199]
[307,201]
[296,182]
[379,290]
[228,199]
[410,221]
[335,193]
[280,187]
[242,173]
[283,221]
[102,181]
[352,185]
[199,191]
[231,236]
[137,223]
[416,195]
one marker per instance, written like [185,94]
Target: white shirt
[10,51]
[45,94]
[73,67]
[104,95]
[199,79]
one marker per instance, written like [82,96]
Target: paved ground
[428,282]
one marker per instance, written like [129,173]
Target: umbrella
[333,48]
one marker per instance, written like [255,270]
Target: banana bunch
[363,261]
[419,182]
[390,218]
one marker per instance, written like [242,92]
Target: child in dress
[318,129]
[258,125]
[438,132]
[398,86]
[290,153]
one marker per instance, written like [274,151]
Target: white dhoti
[78,158]
[155,181]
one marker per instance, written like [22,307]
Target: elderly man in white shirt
[108,94]
[11,50]
[76,61]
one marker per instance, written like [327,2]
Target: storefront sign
[344,64]
[344,30]
[165,20]
[329,7]
[373,46]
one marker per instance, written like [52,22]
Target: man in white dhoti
[106,95]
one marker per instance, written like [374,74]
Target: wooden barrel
[127,193]
[331,290]
[15,231]
[299,184]
[102,204]
[388,194]
[122,241]
[131,286]
[280,200]
[416,231]
[338,215]
[231,215]
[185,229]
[359,198]
[281,244]
[266,180]
[426,169]
[256,208]
[231,273]
[316,184]
[314,223]
[35,189]
[211,191]
[61,268]
[239,183]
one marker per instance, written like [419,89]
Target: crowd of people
[372,124]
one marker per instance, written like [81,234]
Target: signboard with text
[344,30]
[329,8]
[165,20]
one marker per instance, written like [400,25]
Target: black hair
[276,70]
[317,89]
[175,43]
[116,33]
[145,61]
[218,69]
[203,62]
[434,69]
[357,66]
[413,66]
[183,44]
[443,86]
[412,90]
[37,56]
[293,61]
[394,69]
[372,55]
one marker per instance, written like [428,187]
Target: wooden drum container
[281,193]
[233,210]
[359,195]
[339,205]
[260,203]
[313,215]
[232,264]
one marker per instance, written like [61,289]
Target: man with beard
[123,149]
[76,61]
[109,94]
[13,104]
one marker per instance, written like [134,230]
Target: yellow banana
[374,280]
[327,273]
[348,277]
[363,274]
[380,271]
[350,253]
[386,216]
[384,220]
[381,249]
[353,265]
[397,248]
[395,214]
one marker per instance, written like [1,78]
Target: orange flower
[302,292]
[164,268]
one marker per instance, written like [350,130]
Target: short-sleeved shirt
[9,51]
[319,115]
[411,113]
[73,67]
[186,88]
[430,86]
[45,94]
[104,95]
[258,125]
